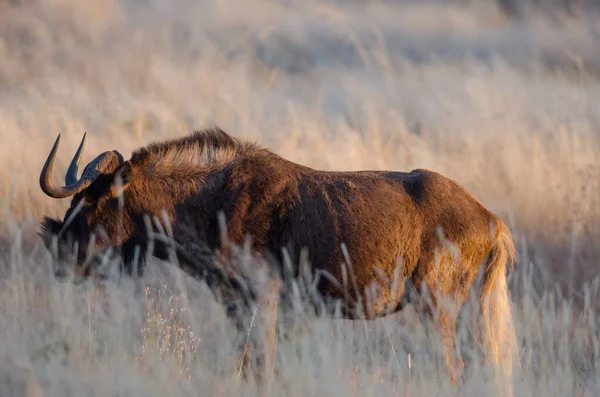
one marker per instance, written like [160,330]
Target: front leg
[250,302]
[230,290]
[257,334]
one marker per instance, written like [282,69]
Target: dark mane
[208,146]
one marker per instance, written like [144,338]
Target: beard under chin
[49,229]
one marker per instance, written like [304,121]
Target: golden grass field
[509,108]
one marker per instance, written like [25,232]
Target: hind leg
[444,321]
[453,359]
[437,281]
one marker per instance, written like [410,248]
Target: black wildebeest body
[432,228]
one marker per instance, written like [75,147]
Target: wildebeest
[355,228]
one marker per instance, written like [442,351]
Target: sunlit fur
[416,226]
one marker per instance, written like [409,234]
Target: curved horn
[92,171]
[71,176]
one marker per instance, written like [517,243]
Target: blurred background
[500,95]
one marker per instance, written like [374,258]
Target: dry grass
[509,109]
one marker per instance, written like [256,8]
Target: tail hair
[497,333]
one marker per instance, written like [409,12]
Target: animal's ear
[122,178]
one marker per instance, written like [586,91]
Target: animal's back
[366,212]
[458,232]
[388,222]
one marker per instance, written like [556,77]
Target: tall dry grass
[508,108]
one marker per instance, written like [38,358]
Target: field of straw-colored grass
[508,108]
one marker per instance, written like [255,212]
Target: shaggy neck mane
[201,150]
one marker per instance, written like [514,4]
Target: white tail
[497,332]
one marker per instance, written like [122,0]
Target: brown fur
[426,226]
